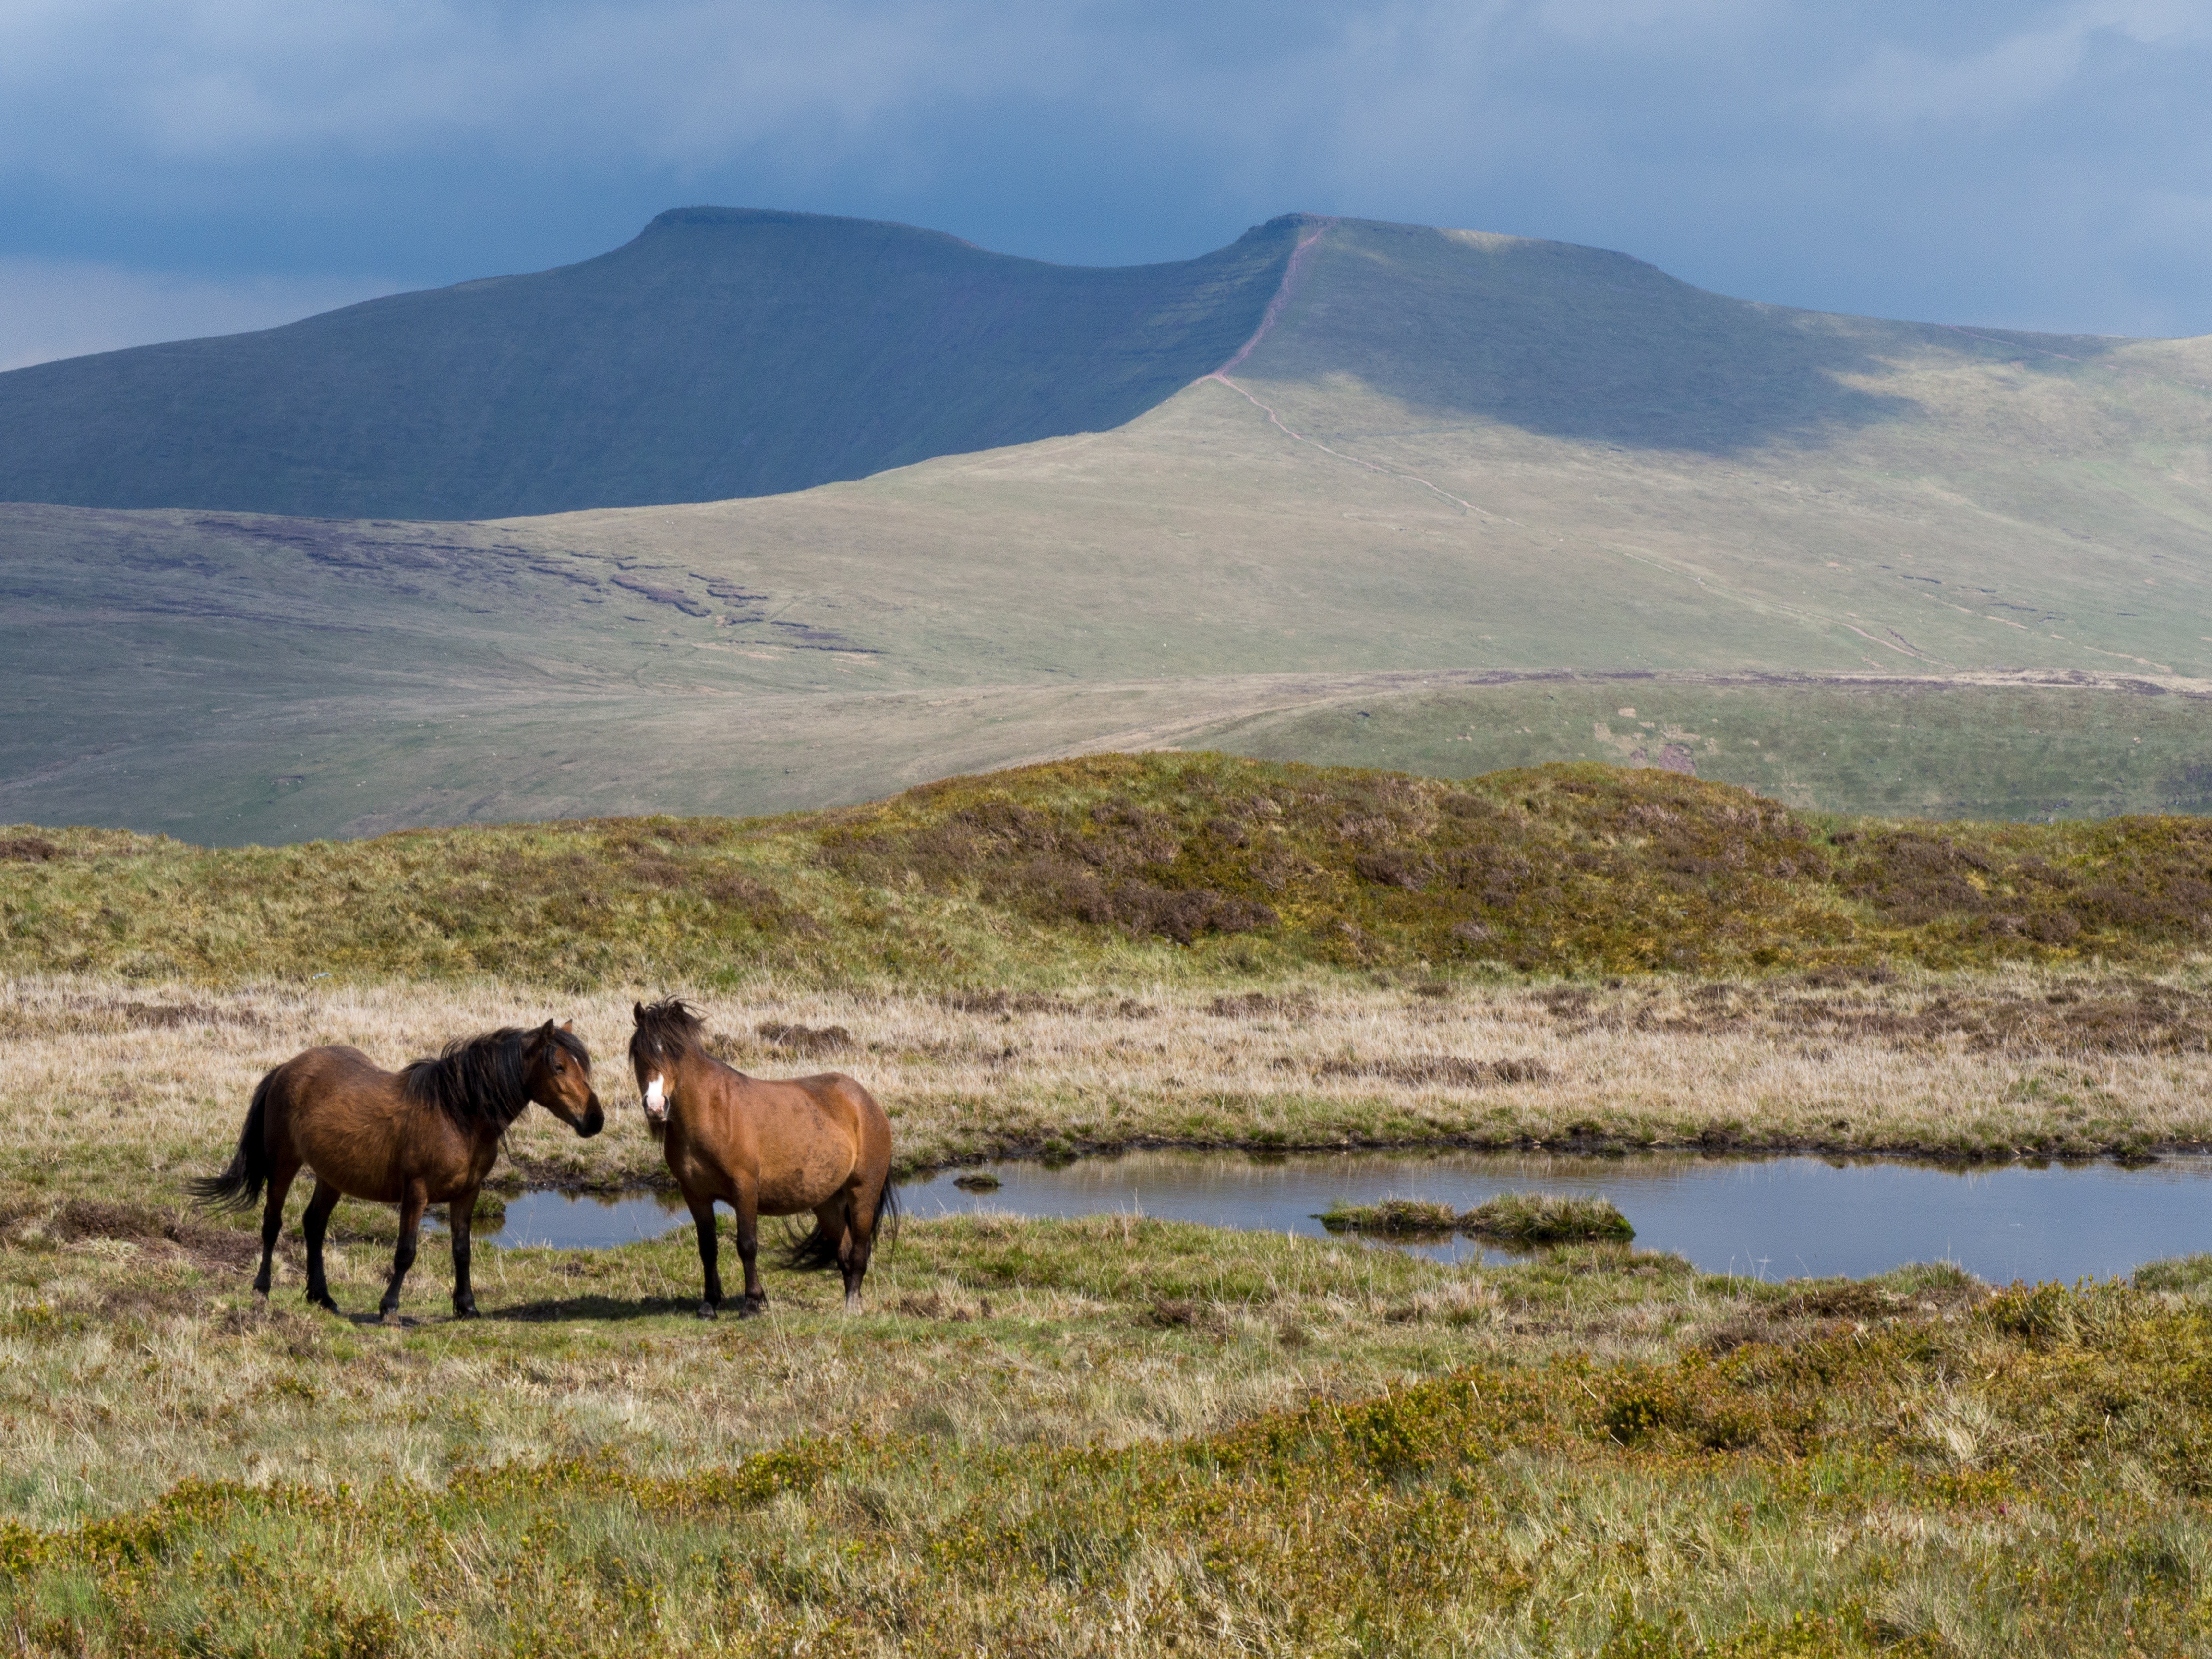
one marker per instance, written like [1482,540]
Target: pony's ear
[637,1012]
[545,1031]
[566,1024]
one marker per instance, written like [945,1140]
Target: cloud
[1900,87]
[1991,159]
[52,308]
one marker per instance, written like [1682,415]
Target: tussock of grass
[1179,867]
[1547,1218]
[1511,1218]
[1393,1217]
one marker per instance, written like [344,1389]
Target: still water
[1784,1218]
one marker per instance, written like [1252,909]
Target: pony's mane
[675,1023]
[480,1082]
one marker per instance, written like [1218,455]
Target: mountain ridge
[721,353]
[1452,455]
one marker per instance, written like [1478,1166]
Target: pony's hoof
[390,1318]
[752,1308]
[469,1312]
[326,1304]
[709,1310]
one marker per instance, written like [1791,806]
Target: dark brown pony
[764,1147]
[425,1135]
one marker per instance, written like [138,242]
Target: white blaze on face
[656,1099]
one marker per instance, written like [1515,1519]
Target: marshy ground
[1099,1436]
[1112,1434]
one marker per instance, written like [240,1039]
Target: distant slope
[1462,492]
[1986,746]
[723,353]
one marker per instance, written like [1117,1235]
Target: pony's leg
[314,1223]
[835,1218]
[272,1217]
[860,1245]
[460,1215]
[748,1208]
[411,1225]
[703,1218]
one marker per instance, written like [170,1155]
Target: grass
[1109,1435]
[1187,869]
[1407,1218]
[1525,1218]
[1519,1219]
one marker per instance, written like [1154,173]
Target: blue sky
[199,166]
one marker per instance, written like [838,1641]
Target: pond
[1780,1217]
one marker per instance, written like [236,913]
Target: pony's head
[556,1071]
[666,1032]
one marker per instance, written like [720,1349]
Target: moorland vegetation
[1110,1435]
[1187,868]
[1115,1435]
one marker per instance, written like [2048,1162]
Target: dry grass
[117,1090]
[127,1364]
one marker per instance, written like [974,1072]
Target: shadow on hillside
[1596,347]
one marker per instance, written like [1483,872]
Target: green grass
[1392,1217]
[1520,1220]
[1189,868]
[1525,1219]
[1110,1435]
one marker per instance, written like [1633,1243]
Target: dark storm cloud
[2039,164]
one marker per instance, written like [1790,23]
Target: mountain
[1464,502]
[722,353]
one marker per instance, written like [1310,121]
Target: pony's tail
[818,1250]
[239,1187]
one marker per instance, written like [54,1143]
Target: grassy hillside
[1960,747]
[1119,868]
[1392,509]
[722,353]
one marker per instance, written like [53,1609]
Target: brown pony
[425,1135]
[764,1148]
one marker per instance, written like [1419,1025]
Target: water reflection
[1782,1218]
[573,1221]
